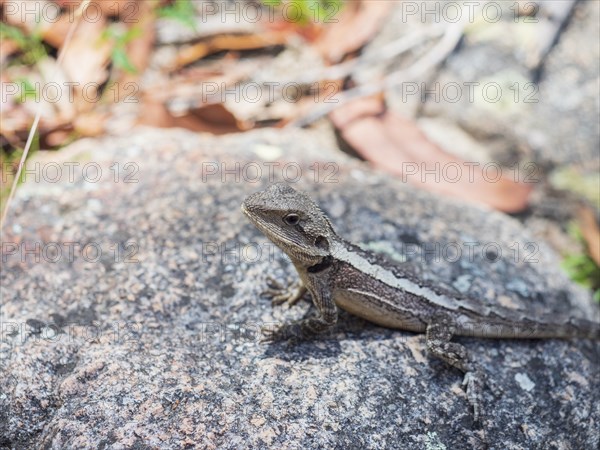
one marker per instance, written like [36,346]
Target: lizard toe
[473,384]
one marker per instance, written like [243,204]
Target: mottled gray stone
[163,352]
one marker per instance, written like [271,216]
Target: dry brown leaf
[396,145]
[13,14]
[54,32]
[89,52]
[194,99]
[310,32]
[214,118]
[124,9]
[366,107]
[57,137]
[359,21]
[7,48]
[590,231]
[86,63]
[16,116]
[198,86]
[62,107]
[90,123]
[285,109]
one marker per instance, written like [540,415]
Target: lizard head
[292,221]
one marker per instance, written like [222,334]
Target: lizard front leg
[308,328]
[437,338]
[280,294]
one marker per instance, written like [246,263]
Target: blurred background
[507,90]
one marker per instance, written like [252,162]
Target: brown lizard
[338,273]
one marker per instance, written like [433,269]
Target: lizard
[338,273]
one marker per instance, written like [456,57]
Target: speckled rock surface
[156,346]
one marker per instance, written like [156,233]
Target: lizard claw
[268,337]
[287,332]
[272,282]
[271,334]
[280,294]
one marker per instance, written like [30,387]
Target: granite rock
[155,345]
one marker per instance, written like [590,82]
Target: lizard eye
[292,219]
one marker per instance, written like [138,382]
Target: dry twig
[430,60]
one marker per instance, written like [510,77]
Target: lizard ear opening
[322,243]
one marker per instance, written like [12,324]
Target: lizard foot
[473,382]
[280,294]
[291,333]
[437,338]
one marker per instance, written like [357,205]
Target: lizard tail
[583,328]
[573,328]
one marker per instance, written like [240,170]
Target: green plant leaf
[120,39]
[28,91]
[580,267]
[182,11]
[31,46]
[121,60]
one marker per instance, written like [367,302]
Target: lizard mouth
[256,221]
[248,214]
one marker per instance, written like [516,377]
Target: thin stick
[38,113]
[385,53]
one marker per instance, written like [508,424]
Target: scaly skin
[337,273]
